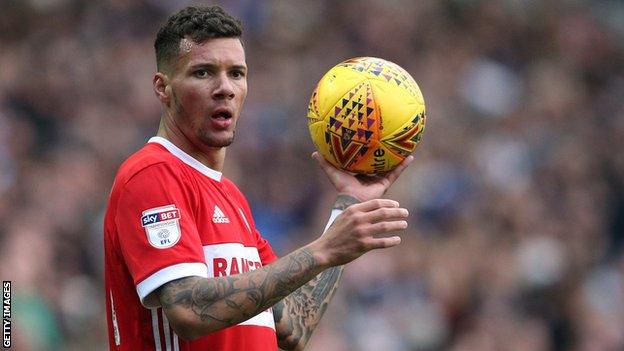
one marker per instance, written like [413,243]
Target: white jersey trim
[332,217]
[166,331]
[114,318]
[263,319]
[155,329]
[171,342]
[186,158]
[168,274]
[176,344]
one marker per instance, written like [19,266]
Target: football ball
[366,115]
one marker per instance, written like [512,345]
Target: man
[186,268]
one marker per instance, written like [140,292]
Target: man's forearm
[197,306]
[298,314]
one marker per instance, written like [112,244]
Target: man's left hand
[363,187]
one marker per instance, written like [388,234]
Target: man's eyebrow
[214,66]
[241,67]
[203,65]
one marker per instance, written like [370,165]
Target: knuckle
[358,218]
[385,226]
[358,230]
[379,244]
[374,203]
[350,211]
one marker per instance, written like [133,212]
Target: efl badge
[162,226]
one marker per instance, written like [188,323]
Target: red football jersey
[168,217]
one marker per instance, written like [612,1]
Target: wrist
[320,254]
[344,200]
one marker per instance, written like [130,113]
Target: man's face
[208,88]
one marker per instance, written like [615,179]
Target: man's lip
[222,110]
[221,123]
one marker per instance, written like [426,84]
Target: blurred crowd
[516,196]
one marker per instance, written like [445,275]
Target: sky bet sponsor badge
[162,226]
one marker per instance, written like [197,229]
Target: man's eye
[202,73]
[238,74]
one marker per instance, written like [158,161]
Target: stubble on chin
[209,141]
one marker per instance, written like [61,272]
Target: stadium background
[516,195]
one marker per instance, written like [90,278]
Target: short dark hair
[197,23]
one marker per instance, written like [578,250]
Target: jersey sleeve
[265,251]
[156,230]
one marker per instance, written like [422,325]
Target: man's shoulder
[235,191]
[231,186]
[150,155]
[228,183]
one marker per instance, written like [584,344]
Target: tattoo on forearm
[298,314]
[226,301]
[343,201]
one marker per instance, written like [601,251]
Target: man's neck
[210,157]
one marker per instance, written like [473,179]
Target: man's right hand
[356,231]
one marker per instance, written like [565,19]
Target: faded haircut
[197,24]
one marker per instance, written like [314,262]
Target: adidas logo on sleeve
[218,216]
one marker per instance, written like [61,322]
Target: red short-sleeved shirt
[170,217]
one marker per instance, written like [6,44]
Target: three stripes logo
[218,216]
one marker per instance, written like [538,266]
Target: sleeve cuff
[332,217]
[166,275]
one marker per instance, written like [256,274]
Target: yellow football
[366,115]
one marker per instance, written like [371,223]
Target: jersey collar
[186,158]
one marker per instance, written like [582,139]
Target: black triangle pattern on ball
[389,71]
[352,125]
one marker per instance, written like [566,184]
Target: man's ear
[162,88]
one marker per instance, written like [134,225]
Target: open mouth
[222,114]
[221,118]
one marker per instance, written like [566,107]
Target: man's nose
[224,88]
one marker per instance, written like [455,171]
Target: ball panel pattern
[404,140]
[334,85]
[386,71]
